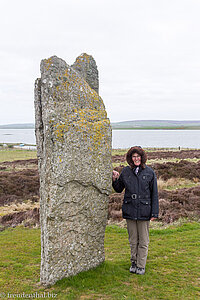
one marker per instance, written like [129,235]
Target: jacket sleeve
[154,198]
[118,184]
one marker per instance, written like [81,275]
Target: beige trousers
[138,232]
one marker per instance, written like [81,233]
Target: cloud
[147,52]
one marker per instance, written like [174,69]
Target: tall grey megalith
[73,136]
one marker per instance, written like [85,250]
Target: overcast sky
[147,53]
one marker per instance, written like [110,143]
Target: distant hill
[156,124]
[18,126]
[137,124]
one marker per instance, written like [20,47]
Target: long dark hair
[139,151]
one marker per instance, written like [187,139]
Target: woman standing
[140,204]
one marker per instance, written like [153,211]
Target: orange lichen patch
[84,96]
[90,115]
[59,130]
[91,124]
[69,80]
[82,57]
[48,63]
[99,129]
[70,83]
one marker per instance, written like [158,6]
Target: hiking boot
[133,267]
[140,271]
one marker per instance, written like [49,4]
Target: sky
[147,53]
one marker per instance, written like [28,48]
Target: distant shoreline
[160,128]
[135,128]
[131,125]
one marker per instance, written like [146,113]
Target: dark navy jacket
[141,194]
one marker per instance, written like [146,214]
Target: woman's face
[136,158]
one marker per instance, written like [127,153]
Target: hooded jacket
[141,194]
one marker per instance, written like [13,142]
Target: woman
[140,204]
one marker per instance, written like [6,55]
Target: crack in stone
[85,184]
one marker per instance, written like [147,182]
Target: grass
[172,268]
[159,161]
[16,154]
[18,207]
[175,183]
[173,159]
[124,151]
[119,151]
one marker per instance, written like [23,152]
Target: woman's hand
[115,175]
[153,219]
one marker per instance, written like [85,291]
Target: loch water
[121,138]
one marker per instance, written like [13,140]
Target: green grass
[16,154]
[172,267]
[119,151]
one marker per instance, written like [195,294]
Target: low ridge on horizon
[134,124]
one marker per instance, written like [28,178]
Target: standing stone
[73,136]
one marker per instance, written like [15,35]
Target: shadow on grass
[107,279]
